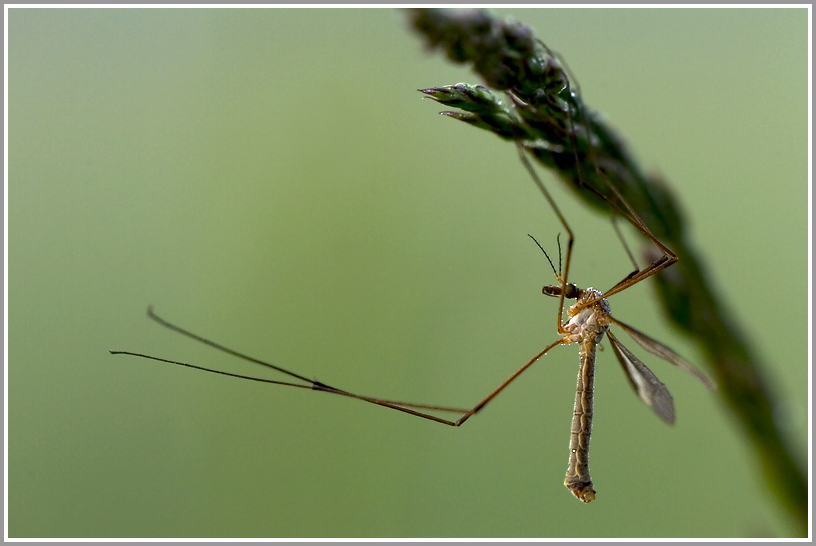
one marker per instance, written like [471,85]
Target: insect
[589,319]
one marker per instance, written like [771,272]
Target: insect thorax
[588,321]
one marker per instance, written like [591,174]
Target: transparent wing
[646,384]
[658,349]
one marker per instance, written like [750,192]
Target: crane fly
[589,319]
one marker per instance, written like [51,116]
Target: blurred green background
[272,180]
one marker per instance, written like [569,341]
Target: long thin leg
[562,276]
[323,387]
[668,258]
[614,222]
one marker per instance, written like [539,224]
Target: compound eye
[571,291]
